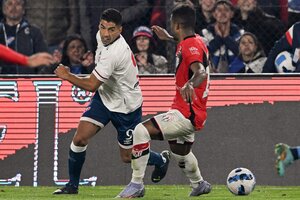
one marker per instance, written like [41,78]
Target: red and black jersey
[191,49]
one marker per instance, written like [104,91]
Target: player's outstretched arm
[162,33]
[39,59]
[35,60]
[89,83]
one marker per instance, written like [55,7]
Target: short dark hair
[112,15]
[223,2]
[184,14]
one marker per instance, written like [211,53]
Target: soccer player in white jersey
[117,98]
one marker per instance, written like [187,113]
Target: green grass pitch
[153,192]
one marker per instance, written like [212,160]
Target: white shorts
[175,127]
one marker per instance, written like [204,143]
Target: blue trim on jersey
[124,123]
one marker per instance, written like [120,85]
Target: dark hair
[184,14]
[65,59]
[112,15]
[223,2]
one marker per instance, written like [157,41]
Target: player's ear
[121,29]
[177,26]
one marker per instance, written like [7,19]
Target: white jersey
[116,68]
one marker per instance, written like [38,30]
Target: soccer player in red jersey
[188,110]
[35,60]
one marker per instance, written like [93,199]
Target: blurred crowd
[243,36]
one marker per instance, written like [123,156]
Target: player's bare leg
[125,154]
[85,131]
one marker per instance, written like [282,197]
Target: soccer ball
[241,181]
[284,62]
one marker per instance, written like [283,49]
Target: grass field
[153,192]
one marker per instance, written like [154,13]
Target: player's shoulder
[119,44]
[117,48]
[193,44]
[192,41]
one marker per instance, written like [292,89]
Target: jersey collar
[190,36]
[113,41]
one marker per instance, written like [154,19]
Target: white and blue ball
[241,181]
[284,62]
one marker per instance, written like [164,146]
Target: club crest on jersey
[194,51]
[80,96]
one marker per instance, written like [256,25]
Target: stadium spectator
[271,7]
[251,57]
[158,14]
[222,37]
[288,42]
[34,60]
[134,12]
[265,27]
[117,98]
[19,35]
[56,18]
[286,156]
[84,25]
[204,15]
[143,47]
[75,55]
[188,112]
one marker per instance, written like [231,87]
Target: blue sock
[155,159]
[76,161]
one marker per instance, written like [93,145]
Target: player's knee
[140,135]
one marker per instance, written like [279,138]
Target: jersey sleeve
[12,56]
[104,67]
[192,54]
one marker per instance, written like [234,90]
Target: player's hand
[62,71]
[39,59]
[188,93]
[161,33]
[87,59]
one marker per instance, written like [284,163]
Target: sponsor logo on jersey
[194,50]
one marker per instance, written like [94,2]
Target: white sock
[140,153]
[139,167]
[189,165]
